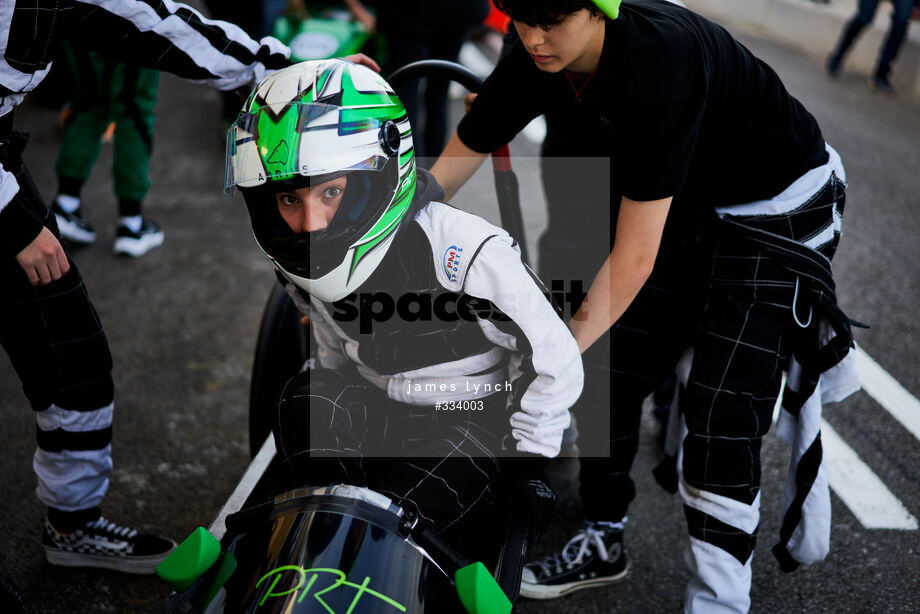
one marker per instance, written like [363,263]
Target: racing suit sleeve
[175,38]
[22,212]
[545,369]
[163,35]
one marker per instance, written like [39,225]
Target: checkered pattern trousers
[738,327]
[739,307]
[332,427]
[55,341]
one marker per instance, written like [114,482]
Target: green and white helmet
[310,123]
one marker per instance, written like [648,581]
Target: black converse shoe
[73,226]
[101,543]
[594,557]
[130,243]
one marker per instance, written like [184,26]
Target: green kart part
[190,560]
[225,569]
[479,592]
[319,38]
[477,589]
[611,8]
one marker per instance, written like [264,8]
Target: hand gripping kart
[341,549]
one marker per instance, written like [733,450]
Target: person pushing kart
[727,205]
[474,363]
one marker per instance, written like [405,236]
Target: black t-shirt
[679,106]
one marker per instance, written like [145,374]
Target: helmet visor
[280,142]
[367,211]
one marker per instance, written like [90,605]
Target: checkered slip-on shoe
[101,543]
[594,557]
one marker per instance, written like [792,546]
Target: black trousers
[337,428]
[56,344]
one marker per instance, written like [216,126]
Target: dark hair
[542,13]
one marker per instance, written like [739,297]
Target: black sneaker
[594,557]
[130,243]
[101,543]
[880,83]
[73,226]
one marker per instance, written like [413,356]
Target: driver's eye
[288,199]
[332,192]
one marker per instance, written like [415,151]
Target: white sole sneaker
[74,233]
[544,591]
[128,246]
[142,565]
[103,544]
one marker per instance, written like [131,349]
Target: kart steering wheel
[506,184]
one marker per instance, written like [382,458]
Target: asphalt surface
[182,325]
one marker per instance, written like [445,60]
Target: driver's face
[312,208]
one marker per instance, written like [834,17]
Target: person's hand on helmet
[363,60]
[531,492]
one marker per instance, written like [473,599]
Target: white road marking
[535,131]
[474,59]
[244,488]
[888,392]
[854,482]
[859,488]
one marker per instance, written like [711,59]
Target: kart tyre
[282,347]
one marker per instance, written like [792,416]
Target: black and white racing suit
[51,333]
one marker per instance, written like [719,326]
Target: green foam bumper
[190,560]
